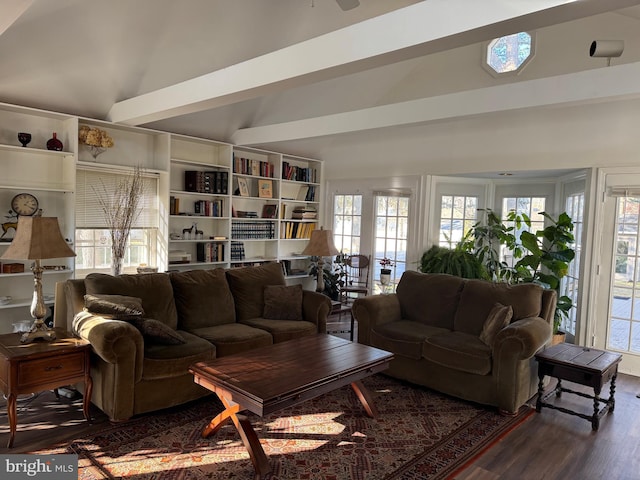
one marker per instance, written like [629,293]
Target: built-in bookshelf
[219,205]
[47,175]
[199,203]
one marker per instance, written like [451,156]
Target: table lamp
[37,238]
[320,245]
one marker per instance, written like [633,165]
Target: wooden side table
[582,365]
[339,308]
[41,365]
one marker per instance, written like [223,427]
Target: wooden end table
[270,378]
[338,308]
[41,365]
[582,365]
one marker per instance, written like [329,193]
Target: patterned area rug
[419,434]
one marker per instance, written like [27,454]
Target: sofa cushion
[283,330]
[429,298]
[202,298]
[479,296]
[113,306]
[282,302]
[156,332]
[165,361]
[247,286]
[154,289]
[458,351]
[404,337]
[233,338]
[498,318]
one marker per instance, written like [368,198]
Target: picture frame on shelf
[269,211]
[243,187]
[265,188]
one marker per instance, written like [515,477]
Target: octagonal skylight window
[510,53]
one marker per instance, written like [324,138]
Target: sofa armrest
[375,310]
[522,339]
[316,308]
[114,341]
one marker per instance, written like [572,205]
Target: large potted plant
[455,261]
[542,257]
[333,276]
[549,253]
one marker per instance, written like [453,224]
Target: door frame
[598,307]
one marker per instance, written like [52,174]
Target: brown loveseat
[213,313]
[434,324]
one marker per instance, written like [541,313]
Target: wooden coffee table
[585,366]
[270,378]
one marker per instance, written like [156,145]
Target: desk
[582,365]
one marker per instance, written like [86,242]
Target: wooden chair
[357,277]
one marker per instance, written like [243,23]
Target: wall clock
[24,204]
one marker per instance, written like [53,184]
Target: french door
[617,319]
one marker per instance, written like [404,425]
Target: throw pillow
[282,302]
[114,306]
[156,331]
[498,318]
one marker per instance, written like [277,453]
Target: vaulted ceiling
[304,76]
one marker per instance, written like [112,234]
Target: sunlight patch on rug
[419,434]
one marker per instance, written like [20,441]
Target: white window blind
[89,213]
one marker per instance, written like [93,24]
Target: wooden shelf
[33,151]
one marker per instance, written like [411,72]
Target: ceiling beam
[417,30]
[10,11]
[588,86]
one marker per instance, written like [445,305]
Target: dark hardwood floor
[550,445]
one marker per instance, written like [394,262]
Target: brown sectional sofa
[433,325]
[215,313]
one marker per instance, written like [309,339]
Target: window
[624,333]
[93,242]
[529,206]
[391,234]
[509,54]
[458,213]
[347,221]
[575,209]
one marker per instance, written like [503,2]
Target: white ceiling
[84,56]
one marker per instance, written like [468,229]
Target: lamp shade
[321,244]
[37,238]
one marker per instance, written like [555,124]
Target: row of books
[246,214]
[296,230]
[253,230]
[210,252]
[206,182]
[304,213]
[206,208]
[209,208]
[248,166]
[299,174]
[237,251]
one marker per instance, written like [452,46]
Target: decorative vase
[24,138]
[54,143]
[116,266]
[385,276]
